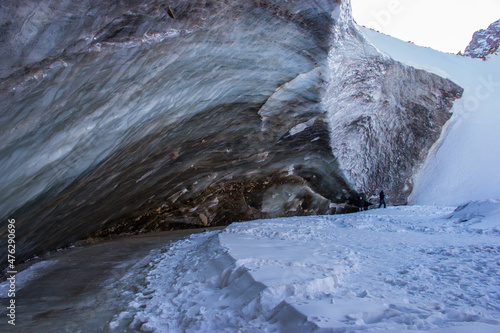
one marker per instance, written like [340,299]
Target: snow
[419,268]
[463,165]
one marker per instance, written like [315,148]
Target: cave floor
[82,288]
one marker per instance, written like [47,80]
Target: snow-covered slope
[464,164]
[402,268]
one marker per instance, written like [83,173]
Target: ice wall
[384,116]
[130,116]
[121,117]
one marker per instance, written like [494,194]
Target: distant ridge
[484,42]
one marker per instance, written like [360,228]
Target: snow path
[402,268]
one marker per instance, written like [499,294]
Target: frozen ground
[415,268]
[79,289]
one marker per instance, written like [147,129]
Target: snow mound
[402,268]
[482,216]
[477,209]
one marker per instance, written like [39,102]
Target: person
[361,204]
[382,199]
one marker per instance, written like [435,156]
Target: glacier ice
[117,118]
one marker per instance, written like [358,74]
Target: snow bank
[463,165]
[416,268]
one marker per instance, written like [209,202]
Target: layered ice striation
[130,116]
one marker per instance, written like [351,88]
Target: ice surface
[22,278]
[417,268]
[114,113]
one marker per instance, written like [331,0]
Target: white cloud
[445,25]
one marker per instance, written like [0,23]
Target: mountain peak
[484,42]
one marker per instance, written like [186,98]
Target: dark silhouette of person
[382,199]
[361,204]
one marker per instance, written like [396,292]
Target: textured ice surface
[150,121]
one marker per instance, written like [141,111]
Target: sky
[444,25]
